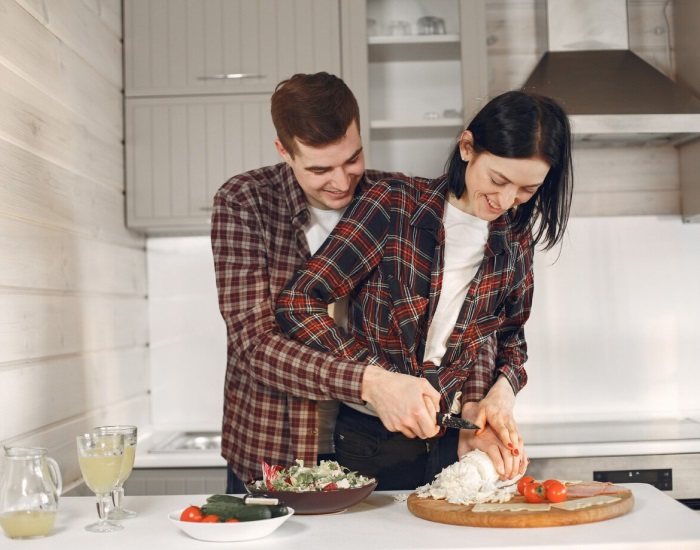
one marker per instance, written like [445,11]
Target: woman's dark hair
[521,124]
[316,109]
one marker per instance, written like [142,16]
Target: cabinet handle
[231,76]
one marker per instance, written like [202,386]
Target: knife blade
[449,421]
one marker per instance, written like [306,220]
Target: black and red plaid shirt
[387,253]
[272,382]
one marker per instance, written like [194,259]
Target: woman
[436,269]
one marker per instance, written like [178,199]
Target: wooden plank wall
[616,181]
[73,297]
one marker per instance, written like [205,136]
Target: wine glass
[129,432]
[100,456]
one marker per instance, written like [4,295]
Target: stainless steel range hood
[613,96]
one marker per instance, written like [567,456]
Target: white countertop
[656,522]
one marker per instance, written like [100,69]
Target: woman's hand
[499,436]
[496,410]
[507,463]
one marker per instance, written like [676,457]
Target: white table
[656,522]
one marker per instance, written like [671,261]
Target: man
[281,396]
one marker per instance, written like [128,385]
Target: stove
[662,452]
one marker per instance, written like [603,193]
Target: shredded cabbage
[470,480]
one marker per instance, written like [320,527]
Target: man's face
[328,175]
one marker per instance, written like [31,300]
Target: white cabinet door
[175,47]
[179,151]
[188,128]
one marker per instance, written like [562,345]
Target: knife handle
[267,501]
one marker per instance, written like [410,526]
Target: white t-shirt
[321,223]
[465,242]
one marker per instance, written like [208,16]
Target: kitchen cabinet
[189,128]
[180,150]
[176,47]
[199,75]
[423,83]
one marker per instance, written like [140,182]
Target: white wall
[73,326]
[615,323]
[613,333]
[188,335]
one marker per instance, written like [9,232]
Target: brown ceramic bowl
[318,502]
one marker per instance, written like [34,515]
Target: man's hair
[315,109]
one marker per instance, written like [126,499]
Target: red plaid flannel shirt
[272,382]
[386,252]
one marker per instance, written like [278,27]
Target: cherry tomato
[535,492]
[232,520]
[210,518]
[548,482]
[555,491]
[191,513]
[522,482]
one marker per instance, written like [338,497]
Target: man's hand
[403,403]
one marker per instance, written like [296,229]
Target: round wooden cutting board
[442,511]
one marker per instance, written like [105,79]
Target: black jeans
[363,444]
[234,485]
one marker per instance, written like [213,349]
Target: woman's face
[496,184]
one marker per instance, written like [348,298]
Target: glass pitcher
[29,490]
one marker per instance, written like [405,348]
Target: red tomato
[232,520]
[535,492]
[522,482]
[548,482]
[555,491]
[191,513]
[210,518]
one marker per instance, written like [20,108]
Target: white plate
[228,532]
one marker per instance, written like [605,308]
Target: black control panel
[660,478]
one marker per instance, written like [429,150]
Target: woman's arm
[345,260]
[245,280]
[353,250]
[500,437]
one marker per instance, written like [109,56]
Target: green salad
[328,475]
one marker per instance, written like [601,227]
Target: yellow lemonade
[128,463]
[101,472]
[27,523]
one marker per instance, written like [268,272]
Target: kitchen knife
[449,421]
